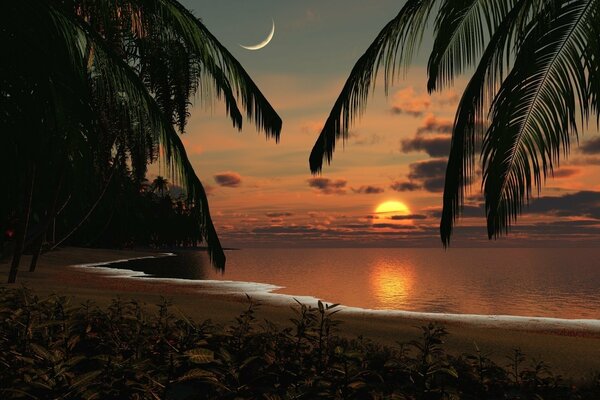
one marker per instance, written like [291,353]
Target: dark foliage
[94,91]
[134,214]
[50,349]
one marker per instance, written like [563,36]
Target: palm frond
[470,116]
[534,112]
[219,63]
[461,29]
[152,40]
[592,63]
[393,47]
[114,78]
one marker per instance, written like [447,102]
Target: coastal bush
[51,349]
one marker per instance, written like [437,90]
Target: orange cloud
[407,101]
[413,103]
[433,124]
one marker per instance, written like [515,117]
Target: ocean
[535,282]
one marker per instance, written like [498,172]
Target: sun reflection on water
[391,283]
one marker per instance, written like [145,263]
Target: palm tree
[535,83]
[161,184]
[117,77]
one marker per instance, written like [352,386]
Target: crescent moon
[263,43]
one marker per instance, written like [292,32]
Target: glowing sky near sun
[262,193]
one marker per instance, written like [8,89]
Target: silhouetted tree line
[135,213]
[130,212]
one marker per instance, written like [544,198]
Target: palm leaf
[219,63]
[115,78]
[470,114]
[394,45]
[460,35]
[534,112]
[162,37]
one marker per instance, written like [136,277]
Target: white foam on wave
[117,272]
[267,293]
[492,321]
[210,286]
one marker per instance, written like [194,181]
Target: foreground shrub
[50,349]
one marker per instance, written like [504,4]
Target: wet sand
[571,350]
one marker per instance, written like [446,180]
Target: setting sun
[396,207]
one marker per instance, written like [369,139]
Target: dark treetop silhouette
[535,83]
[94,89]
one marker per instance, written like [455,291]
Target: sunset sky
[262,193]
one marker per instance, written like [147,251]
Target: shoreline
[268,292]
[571,346]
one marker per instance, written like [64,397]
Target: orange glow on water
[391,284]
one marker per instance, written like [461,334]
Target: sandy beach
[571,350]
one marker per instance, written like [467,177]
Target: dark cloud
[404,186]
[430,174]
[356,226]
[228,179]
[407,217]
[467,211]
[551,233]
[585,203]
[399,110]
[336,233]
[585,161]
[394,226]
[433,124]
[565,172]
[579,204]
[561,230]
[368,190]
[591,146]
[328,186]
[558,231]
[368,140]
[296,229]
[434,146]
[278,214]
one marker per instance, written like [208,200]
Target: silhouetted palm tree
[161,184]
[536,81]
[87,87]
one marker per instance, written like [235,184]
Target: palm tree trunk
[22,230]
[37,250]
[56,215]
[39,241]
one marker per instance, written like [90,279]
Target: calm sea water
[562,283]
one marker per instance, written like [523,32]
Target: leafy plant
[51,349]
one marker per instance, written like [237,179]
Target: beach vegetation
[51,348]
